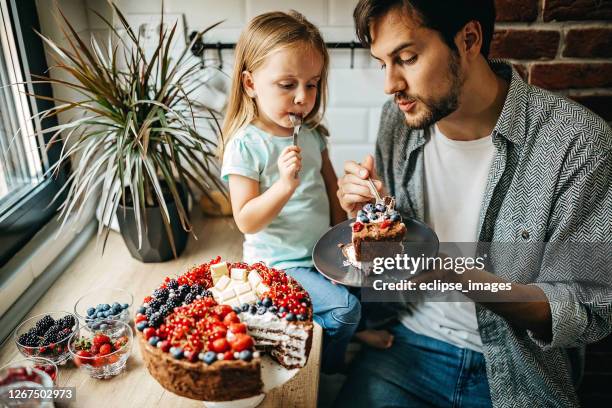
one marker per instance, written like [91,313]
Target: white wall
[355,94]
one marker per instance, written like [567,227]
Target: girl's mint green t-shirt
[289,239]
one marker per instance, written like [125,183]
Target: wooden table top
[116,268]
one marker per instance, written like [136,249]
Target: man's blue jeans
[417,371]
[335,309]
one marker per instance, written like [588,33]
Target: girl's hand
[289,163]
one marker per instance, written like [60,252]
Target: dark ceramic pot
[155,241]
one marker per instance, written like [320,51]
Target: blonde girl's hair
[265,34]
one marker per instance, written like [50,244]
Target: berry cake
[378,224]
[202,334]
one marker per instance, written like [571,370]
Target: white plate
[272,374]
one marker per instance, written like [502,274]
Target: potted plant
[133,140]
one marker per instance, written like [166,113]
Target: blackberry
[173,302]
[197,289]
[173,284]
[44,324]
[190,298]
[155,304]
[50,336]
[161,294]
[150,311]
[183,290]
[164,310]
[156,320]
[63,334]
[207,293]
[28,339]
[66,322]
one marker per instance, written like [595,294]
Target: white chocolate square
[239,274]
[233,302]
[261,289]
[242,287]
[254,278]
[226,295]
[248,297]
[218,270]
[223,283]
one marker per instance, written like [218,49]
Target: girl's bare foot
[380,339]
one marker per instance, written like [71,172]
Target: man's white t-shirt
[456,174]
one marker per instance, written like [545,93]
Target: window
[26,195]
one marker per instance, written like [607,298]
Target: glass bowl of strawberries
[46,335]
[103,353]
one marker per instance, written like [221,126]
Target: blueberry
[103,326]
[395,217]
[105,306]
[282,309]
[125,306]
[259,303]
[290,317]
[267,302]
[237,309]
[107,313]
[272,309]
[91,311]
[380,207]
[245,355]
[373,217]
[142,325]
[141,309]
[154,340]
[115,305]
[176,352]
[360,213]
[363,219]
[99,307]
[261,310]
[252,309]
[100,314]
[209,357]
[301,317]
[369,207]
[245,307]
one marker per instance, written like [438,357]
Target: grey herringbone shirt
[550,181]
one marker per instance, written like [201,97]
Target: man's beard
[436,109]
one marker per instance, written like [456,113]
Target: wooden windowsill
[116,268]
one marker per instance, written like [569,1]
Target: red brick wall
[561,45]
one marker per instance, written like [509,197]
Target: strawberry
[357,227]
[385,224]
[165,346]
[228,355]
[241,342]
[237,328]
[222,310]
[230,318]
[140,317]
[83,357]
[100,339]
[105,349]
[220,345]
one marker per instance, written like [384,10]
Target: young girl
[284,196]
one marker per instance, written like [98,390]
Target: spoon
[296,122]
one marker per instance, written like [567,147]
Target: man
[481,156]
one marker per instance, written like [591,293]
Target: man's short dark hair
[447,17]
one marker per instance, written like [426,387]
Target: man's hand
[353,188]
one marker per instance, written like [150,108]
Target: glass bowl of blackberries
[46,335]
[104,304]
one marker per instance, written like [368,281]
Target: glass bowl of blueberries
[46,335]
[104,304]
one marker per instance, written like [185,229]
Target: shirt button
[525,234]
